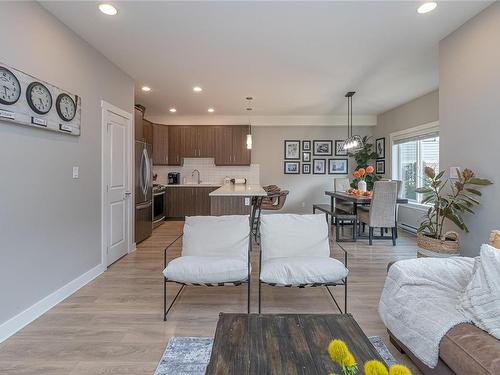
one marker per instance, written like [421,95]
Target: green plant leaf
[473,191]
[471,199]
[439,175]
[427,199]
[480,181]
[424,190]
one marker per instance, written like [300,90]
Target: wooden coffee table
[284,344]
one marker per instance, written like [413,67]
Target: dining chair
[341,184]
[382,211]
[215,252]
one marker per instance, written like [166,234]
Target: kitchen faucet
[199,179]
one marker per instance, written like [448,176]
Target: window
[411,154]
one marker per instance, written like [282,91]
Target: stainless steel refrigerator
[143,191]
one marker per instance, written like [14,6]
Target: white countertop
[239,190]
[203,184]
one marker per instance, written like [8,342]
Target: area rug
[190,355]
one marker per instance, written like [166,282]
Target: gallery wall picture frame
[291,150]
[380,166]
[319,166]
[338,166]
[306,168]
[306,145]
[291,167]
[322,148]
[306,156]
[380,148]
[339,148]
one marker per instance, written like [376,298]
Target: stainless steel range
[159,201]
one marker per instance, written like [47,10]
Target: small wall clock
[39,98]
[66,107]
[10,88]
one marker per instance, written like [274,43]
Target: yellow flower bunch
[339,353]
[378,368]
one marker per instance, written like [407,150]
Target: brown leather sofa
[464,350]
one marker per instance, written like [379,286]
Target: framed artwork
[306,168]
[380,166]
[306,156]
[319,166]
[338,166]
[292,167]
[339,148]
[306,145]
[380,148]
[322,148]
[292,150]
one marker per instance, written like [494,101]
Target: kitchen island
[235,199]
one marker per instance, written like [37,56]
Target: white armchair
[215,252]
[295,252]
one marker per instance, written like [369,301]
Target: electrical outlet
[247,201]
[76,172]
[454,172]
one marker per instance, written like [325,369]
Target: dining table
[356,200]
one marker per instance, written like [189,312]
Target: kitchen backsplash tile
[209,172]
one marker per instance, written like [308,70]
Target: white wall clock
[39,98]
[10,88]
[66,107]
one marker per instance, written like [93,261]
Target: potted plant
[363,156]
[447,203]
[361,175]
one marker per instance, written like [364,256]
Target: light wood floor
[114,324]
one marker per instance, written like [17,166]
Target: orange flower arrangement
[370,169]
[361,172]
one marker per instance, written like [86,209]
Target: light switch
[454,172]
[76,172]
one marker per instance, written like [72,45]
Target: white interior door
[117,170]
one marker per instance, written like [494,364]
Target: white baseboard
[24,318]
[133,248]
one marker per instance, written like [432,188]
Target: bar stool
[273,202]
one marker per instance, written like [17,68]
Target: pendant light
[249,136]
[352,142]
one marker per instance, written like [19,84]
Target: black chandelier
[352,142]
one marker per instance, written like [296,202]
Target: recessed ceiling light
[173,110]
[146,88]
[427,7]
[197,89]
[211,110]
[108,9]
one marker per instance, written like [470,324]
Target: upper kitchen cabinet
[138,124]
[230,145]
[174,145]
[147,131]
[160,144]
[205,139]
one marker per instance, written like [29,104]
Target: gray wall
[304,189]
[469,107]
[50,224]
[419,111]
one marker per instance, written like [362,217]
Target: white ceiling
[294,58]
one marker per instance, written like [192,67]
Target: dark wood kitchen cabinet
[138,125]
[174,145]
[230,145]
[205,139]
[160,144]
[147,131]
[188,201]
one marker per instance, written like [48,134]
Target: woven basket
[448,244]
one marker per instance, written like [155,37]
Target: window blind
[415,137]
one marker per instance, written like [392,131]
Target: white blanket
[419,302]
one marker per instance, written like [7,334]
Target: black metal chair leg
[248,297]
[165,313]
[393,233]
[260,295]
[334,300]
[370,236]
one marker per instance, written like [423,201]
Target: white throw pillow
[480,301]
[216,236]
[288,235]
[201,270]
[302,270]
